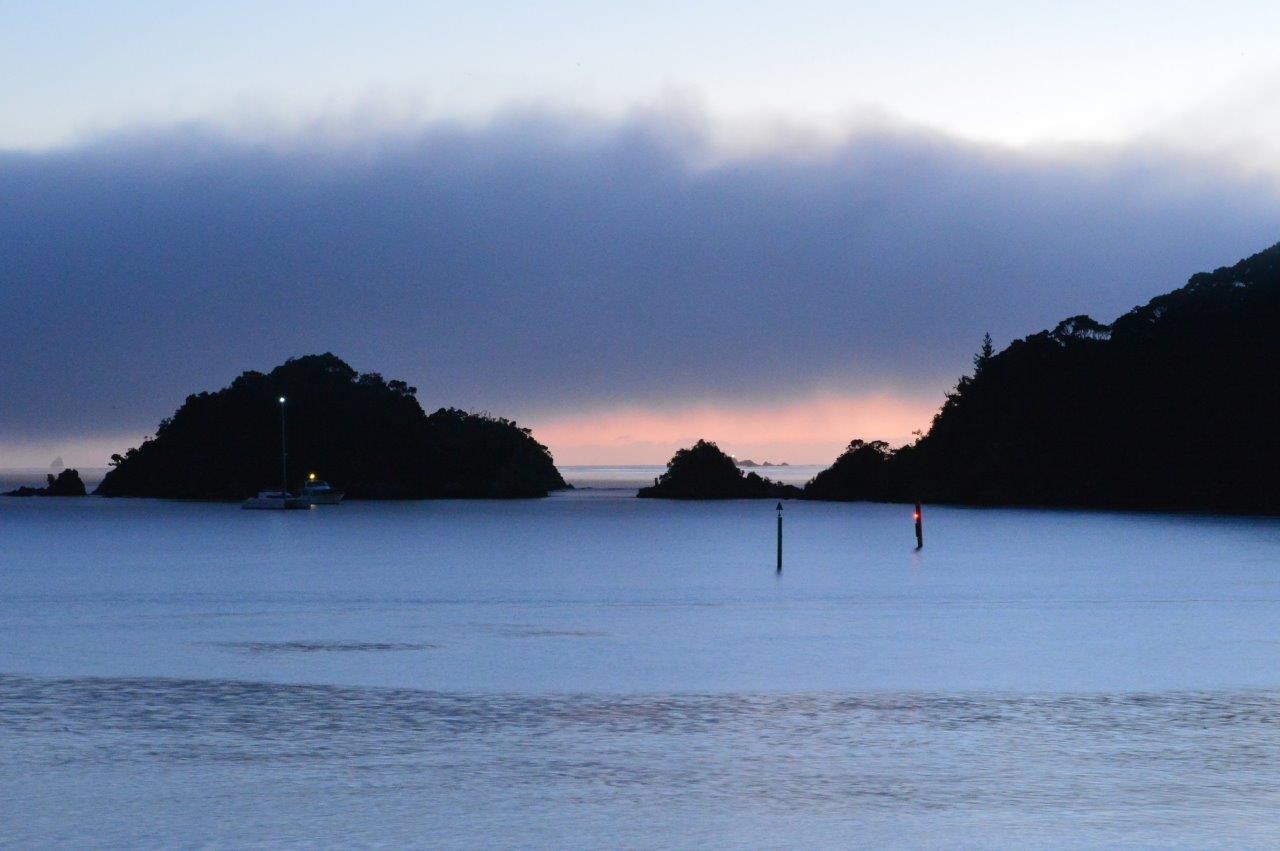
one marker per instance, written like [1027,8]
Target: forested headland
[1174,405]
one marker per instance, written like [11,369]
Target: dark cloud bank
[541,263]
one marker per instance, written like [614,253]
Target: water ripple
[260,647]
[1119,766]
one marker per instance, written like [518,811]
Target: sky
[780,226]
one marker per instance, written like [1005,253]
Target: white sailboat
[276,500]
[281,499]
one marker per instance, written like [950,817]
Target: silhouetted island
[1172,406]
[366,435]
[748,463]
[862,472]
[703,471]
[66,483]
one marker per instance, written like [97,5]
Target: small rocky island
[366,435]
[66,483]
[704,471]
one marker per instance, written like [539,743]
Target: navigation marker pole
[919,528]
[779,537]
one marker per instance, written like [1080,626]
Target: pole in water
[919,528]
[779,537]
[284,455]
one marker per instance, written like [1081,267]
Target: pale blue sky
[1011,72]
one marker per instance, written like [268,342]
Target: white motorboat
[320,492]
[276,500]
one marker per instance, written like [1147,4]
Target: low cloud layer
[544,266]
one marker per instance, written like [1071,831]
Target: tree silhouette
[364,434]
[1171,406]
[66,483]
[862,472]
[704,471]
[983,357]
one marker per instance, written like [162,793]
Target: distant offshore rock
[365,435]
[704,471]
[66,483]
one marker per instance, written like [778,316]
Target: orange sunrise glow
[812,431]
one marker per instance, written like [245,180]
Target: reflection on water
[256,647]
[455,768]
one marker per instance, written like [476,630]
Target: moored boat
[319,492]
[276,500]
[281,499]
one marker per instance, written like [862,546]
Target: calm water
[595,670]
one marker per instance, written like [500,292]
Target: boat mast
[284,463]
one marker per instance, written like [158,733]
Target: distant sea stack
[365,435]
[66,483]
[1172,406]
[703,471]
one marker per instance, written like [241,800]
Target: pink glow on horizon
[812,431]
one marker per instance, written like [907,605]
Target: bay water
[596,670]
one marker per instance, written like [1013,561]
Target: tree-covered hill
[362,433]
[1174,405]
[865,471]
[66,483]
[704,471]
